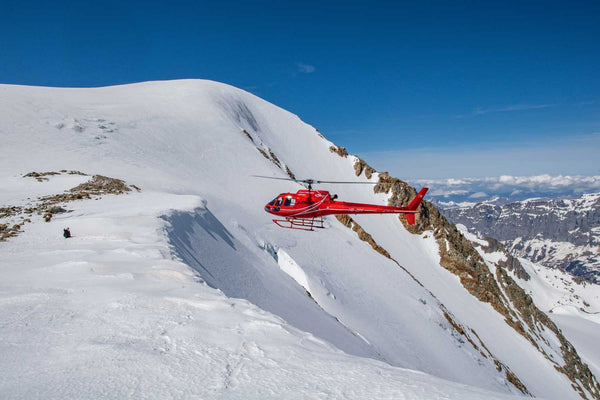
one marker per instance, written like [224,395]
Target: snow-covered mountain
[177,284]
[558,233]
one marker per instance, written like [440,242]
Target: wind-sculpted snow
[205,244]
[138,306]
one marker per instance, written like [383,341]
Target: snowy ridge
[126,288]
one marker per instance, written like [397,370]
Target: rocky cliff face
[558,233]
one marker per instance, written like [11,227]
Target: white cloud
[478,195]
[513,107]
[306,68]
[442,191]
[511,186]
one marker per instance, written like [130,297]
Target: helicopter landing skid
[305,224]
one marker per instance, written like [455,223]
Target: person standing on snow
[66,233]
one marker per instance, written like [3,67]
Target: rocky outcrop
[510,263]
[40,176]
[100,184]
[270,155]
[48,206]
[340,151]
[360,166]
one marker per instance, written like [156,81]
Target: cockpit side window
[292,202]
[279,201]
[287,201]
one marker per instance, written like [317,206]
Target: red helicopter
[305,209]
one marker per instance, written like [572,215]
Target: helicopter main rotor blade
[351,183]
[313,181]
[273,177]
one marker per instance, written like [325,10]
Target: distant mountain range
[558,233]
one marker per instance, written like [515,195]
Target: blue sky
[428,89]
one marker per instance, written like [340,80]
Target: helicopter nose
[268,208]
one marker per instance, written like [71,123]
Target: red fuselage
[318,203]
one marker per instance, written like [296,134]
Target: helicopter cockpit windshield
[279,201]
[276,201]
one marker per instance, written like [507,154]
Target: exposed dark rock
[248,135]
[7,231]
[10,211]
[360,166]
[274,158]
[100,184]
[289,172]
[40,174]
[511,263]
[340,151]
[264,153]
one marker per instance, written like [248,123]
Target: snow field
[107,314]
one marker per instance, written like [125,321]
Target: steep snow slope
[204,139]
